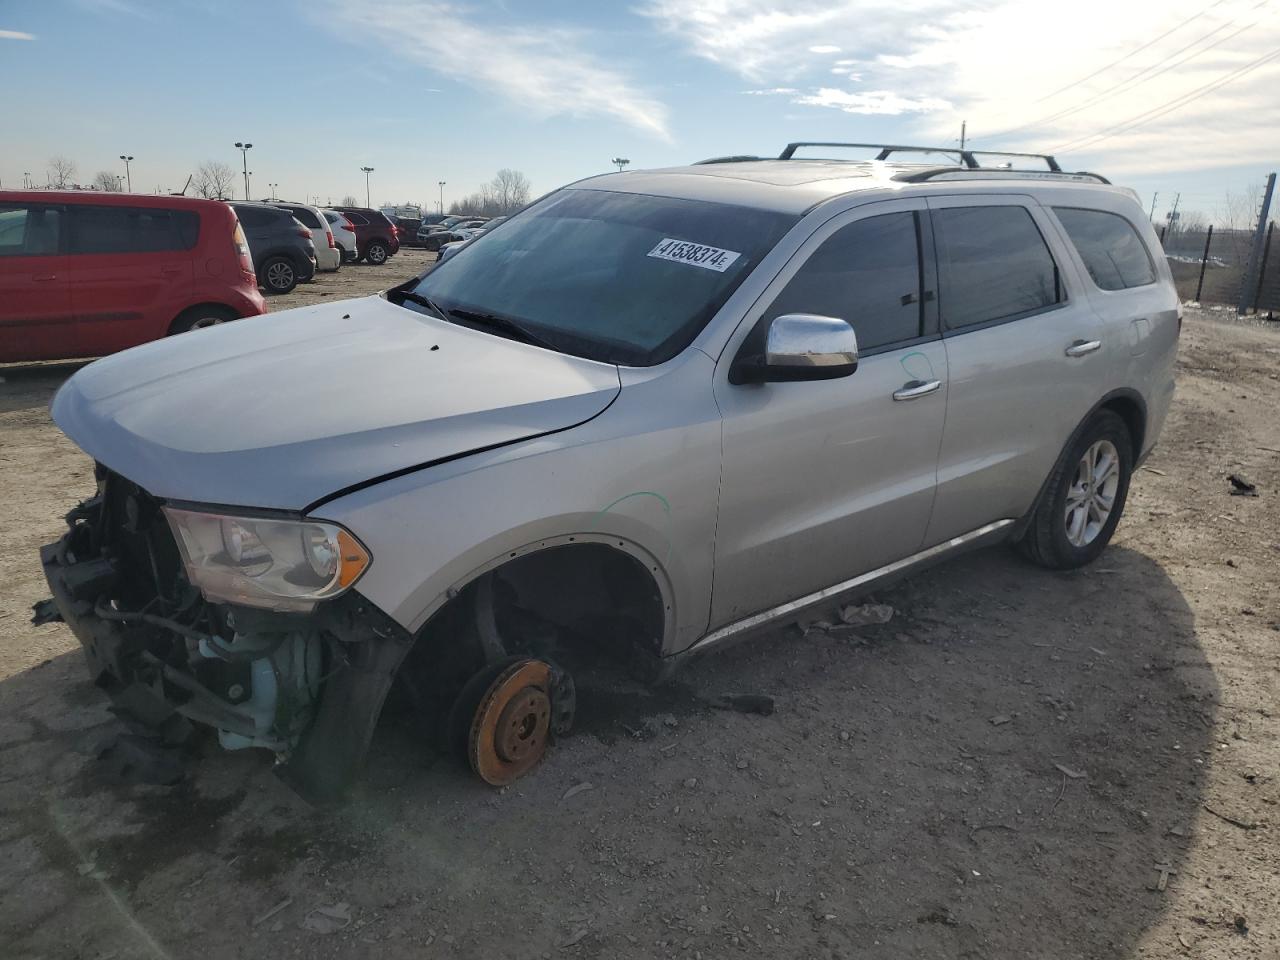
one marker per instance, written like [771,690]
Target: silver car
[654,412]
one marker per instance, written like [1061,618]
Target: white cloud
[1010,65]
[771,92]
[824,48]
[884,102]
[16,35]
[544,69]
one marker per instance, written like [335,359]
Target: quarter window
[131,229]
[993,264]
[1111,249]
[867,273]
[29,231]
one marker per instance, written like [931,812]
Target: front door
[36,321]
[822,481]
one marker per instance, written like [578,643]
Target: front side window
[993,264]
[29,231]
[1111,249]
[867,273]
[130,229]
[620,277]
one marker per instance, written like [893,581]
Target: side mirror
[797,346]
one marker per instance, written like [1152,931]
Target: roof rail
[969,158]
[736,158]
[995,173]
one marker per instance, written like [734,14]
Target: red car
[377,238]
[84,274]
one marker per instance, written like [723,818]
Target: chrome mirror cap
[808,340]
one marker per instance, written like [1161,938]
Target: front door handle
[917,388]
[1082,347]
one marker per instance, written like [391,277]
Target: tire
[1072,524]
[278,275]
[376,253]
[199,318]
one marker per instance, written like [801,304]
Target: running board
[972,540]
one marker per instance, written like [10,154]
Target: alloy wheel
[1092,494]
[280,276]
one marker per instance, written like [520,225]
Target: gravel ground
[995,773]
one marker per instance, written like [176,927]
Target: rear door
[1023,350]
[824,481]
[36,321]
[131,273]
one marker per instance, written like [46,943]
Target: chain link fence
[1210,266]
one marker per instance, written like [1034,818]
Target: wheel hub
[511,727]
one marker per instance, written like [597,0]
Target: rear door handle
[1082,347]
[917,388]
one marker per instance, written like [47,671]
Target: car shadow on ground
[995,772]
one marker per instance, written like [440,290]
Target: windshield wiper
[427,302]
[505,324]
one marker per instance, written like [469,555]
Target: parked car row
[468,234]
[449,230]
[87,274]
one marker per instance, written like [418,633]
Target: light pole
[26,179]
[441,185]
[127,175]
[273,187]
[620,162]
[121,185]
[367,199]
[244,158]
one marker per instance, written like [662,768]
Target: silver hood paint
[282,410]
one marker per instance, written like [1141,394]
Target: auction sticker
[695,254]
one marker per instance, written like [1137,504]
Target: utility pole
[244,157]
[127,175]
[441,185]
[1255,255]
[1154,197]
[964,125]
[368,200]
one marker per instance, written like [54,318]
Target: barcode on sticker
[695,254]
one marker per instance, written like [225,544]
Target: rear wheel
[278,275]
[198,318]
[377,253]
[1085,497]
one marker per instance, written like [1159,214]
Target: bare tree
[350,201]
[510,190]
[106,181]
[1237,217]
[214,180]
[62,172]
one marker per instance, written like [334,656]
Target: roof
[796,186]
[107,198]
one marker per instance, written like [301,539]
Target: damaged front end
[305,680]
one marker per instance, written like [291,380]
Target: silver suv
[652,412]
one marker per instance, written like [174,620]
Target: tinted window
[1109,246]
[332,217]
[306,217]
[356,219]
[867,273]
[29,231]
[992,264]
[130,229]
[255,216]
[619,277]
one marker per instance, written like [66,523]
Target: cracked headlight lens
[285,565]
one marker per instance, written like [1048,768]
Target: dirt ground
[995,773]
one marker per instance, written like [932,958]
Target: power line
[1132,53]
[1142,76]
[1168,107]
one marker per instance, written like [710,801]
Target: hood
[282,410]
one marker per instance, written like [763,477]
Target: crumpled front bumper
[157,671]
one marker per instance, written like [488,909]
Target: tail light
[328,235]
[242,251]
[395,231]
[348,225]
[304,233]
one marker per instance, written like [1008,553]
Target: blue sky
[1169,96]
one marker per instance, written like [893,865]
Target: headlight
[263,562]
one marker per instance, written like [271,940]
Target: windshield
[624,278]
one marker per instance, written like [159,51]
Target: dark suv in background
[377,238]
[282,249]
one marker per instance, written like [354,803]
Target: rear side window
[29,231]
[867,273]
[130,229]
[993,264]
[357,219]
[1111,249]
[307,218]
[261,216]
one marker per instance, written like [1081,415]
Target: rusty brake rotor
[512,725]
